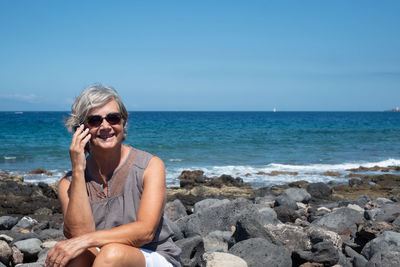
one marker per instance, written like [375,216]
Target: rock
[264,192]
[51,234]
[285,201]
[286,214]
[341,221]
[175,210]
[30,248]
[37,171]
[192,250]
[382,201]
[356,208]
[17,256]
[208,203]
[47,190]
[325,253]
[6,238]
[331,173]
[389,258]
[372,229]
[48,244]
[388,212]
[41,226]
[371,214]
[292,237]
[387,241]
[266,201]
[5,252]
[397,222]
[249,226]
[319,191]
[221,217]
[25,223]
[23,236]
[343,261]
[229,180]
[217,241]
[33,264]
[219,259]
[355,182]
[268,216]
[259,252]
[7,222]
[357,259]
[175,229]
[43,211]
[317,235]
[43,255]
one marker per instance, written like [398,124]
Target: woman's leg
[85,259]
[120,255]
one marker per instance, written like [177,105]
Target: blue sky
[202,55]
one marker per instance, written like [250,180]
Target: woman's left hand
[64,251]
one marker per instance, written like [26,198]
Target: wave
[260,175]
[9,157]
[275,173]
[175,160]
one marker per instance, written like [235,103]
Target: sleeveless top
[122,204]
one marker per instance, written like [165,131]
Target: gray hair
[92,97]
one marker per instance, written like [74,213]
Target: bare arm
[151,206]
[134,234]
[78,218]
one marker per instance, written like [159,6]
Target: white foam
[9,158]
[175,160]
[259,174]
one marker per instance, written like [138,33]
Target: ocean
[242,144]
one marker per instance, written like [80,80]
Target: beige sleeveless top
[125,189]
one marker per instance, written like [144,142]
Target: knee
[110,254]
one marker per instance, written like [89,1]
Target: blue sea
[241,144]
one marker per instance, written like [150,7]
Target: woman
[113,199]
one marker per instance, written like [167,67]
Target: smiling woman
[113,199]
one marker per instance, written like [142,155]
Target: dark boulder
[249,226]
[319,191]
[286,214]
[7,222]
[357,259]
[175,210]
[222,217]
[387,241]
[323,252]
[259,252]
[285,201]
[341,221]
[192,251]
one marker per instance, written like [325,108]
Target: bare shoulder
[155,170]
[64,183]
[155,162]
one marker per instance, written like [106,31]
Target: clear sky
[202,55]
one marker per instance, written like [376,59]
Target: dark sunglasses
[96,120]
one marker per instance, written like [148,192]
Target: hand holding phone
[79,147]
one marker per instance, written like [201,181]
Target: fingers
[80,138]
[57,256]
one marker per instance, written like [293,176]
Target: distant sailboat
[274,109]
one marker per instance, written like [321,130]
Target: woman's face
[106,135]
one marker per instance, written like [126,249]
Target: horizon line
[271,111]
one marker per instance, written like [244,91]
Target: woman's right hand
[77,149]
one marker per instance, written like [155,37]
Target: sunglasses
[97,120]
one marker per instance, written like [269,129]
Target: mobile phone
[87,146]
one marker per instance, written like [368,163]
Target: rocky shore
[222,221]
